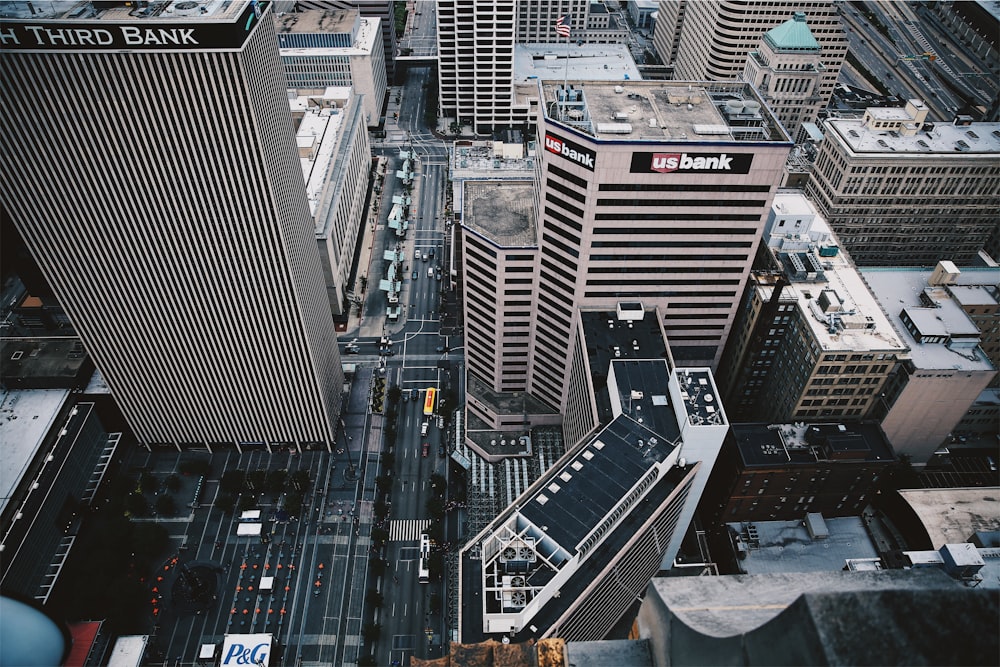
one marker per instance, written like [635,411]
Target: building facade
[787,68]
[383,10]
[946,371]
[336,158]
[630,206]
[178,241]
[811,342]
[779,472]
[902,191]
[476,41]
[335,48]
[715,37]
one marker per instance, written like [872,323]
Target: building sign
[91,35]
[246,650]
[691,163]
[569,150]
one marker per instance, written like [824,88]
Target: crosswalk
[407,529]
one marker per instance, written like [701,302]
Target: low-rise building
[945,369]
[782,471]
[335,155]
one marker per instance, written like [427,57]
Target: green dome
[792,35]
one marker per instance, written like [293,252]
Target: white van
[423,429]
[430,272]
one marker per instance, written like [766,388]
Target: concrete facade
[900,190]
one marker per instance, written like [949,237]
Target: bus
[429,401]
[423,571]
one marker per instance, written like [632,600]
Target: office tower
[577,548]
[946,370]
[667,30]
[476,54]
[323,48]
[383,10]
[654,193]
[900,190]
[811,342]
[149,164]
[787,68]
[715,37]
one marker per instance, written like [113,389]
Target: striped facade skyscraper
[150,166]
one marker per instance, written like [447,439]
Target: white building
[335,154]
[169,214]
[324,48]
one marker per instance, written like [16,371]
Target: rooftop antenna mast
[562,30]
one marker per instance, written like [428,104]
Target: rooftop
[730,605]
[25,419]
[588,62]
[933,313]
[479,160]
[831,293]
[661,111]
[786,546]
[363,41]
[952,516]
[783,444]
[184,11]
[502,211]
[977,139]
[318,138]
[317,20]
[792,35]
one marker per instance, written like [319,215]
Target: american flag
[561,28]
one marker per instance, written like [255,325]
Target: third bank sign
[699,163]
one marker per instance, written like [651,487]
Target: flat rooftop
[978,139]
[661,111]
[733,604]
[768,445]
[899,289]
[477,160]
[952,516]
[587,62]
[362,42]
[785,546]
[318,139]
[25,419]
[832,290]
[182,10]
[502,211]
[317,20]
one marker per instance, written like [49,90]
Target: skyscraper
[476,55]
[149,164]
[712,39]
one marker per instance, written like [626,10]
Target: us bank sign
[571,151]
[89,35]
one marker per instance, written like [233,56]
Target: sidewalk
[369,324]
